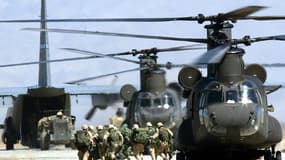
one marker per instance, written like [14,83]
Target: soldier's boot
[80,154]
[163,156]
[138,156]
[112,155]
[152,153]
[86,156]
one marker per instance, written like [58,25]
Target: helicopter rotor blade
[198,40]
[275,65]
[214,55]
[263,18]
[135,52]
[49,61]
[241,12]
[166,19]
[236,14]
[101,55]
[102,76]
[277,37]
[247,40]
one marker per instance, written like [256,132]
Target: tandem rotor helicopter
[155,101]
[227,110]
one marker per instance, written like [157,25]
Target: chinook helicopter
[155,101]
[227,111]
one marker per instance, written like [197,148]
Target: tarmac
[58,152]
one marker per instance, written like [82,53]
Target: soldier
[164,142]
[82,142]
[92,148]
[10,135]
[118,119]
[152,135]
[91,130]
[139,138]
[101,141]
[115,141]
[126,149]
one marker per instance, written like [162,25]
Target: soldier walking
[101,137]
[115,141]
[92,148]
[82,143]
[126,149]
[152,135]
[139,139]
[164,143]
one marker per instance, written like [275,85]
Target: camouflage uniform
[92,148]
[152,135]
[101,137]
[164,145]
[115,141]
[126,149]
[82,142]
[138,141]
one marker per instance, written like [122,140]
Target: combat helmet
[148,124]
[84,127]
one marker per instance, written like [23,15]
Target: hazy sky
[23,46]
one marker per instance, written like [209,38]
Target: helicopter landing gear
[272,155]
[180,156]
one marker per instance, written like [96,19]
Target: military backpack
[81,139]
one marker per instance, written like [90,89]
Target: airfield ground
[58,152]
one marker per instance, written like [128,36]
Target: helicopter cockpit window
[214,97]
[145,102]
[157,102]
[214,93]
[248,93]
[168,99]
[231,96]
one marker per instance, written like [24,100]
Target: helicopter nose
[231,115]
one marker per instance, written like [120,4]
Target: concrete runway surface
[56,152]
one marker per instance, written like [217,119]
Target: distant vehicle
[56,129]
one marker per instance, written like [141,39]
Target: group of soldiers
[110,142]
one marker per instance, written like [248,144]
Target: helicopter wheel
[180,156]
[278,155]
[267,155]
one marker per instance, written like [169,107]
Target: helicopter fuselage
[228,117]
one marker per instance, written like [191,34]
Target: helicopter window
[231,96]
[145,102]
[248,95]
[157,102]
[214,97]
[167,99]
